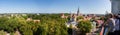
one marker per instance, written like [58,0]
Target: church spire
[78,12]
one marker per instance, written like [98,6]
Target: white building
[115,5]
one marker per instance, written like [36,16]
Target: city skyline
[55,6]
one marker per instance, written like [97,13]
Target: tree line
[50,24]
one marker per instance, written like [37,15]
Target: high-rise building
[115,5]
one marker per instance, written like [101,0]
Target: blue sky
[54,6]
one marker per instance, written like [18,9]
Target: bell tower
[78,12]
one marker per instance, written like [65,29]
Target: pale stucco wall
[115,6]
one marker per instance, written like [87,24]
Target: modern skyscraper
[115,5]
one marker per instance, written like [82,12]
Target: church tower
[78,12]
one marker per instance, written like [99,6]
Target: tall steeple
[78,12]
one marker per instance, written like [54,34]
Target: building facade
[115,5]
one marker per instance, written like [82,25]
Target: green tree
[84,27]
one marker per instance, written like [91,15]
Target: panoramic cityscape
[59,17]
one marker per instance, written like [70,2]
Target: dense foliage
[49,24]
[84,26]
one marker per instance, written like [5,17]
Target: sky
[55,6]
